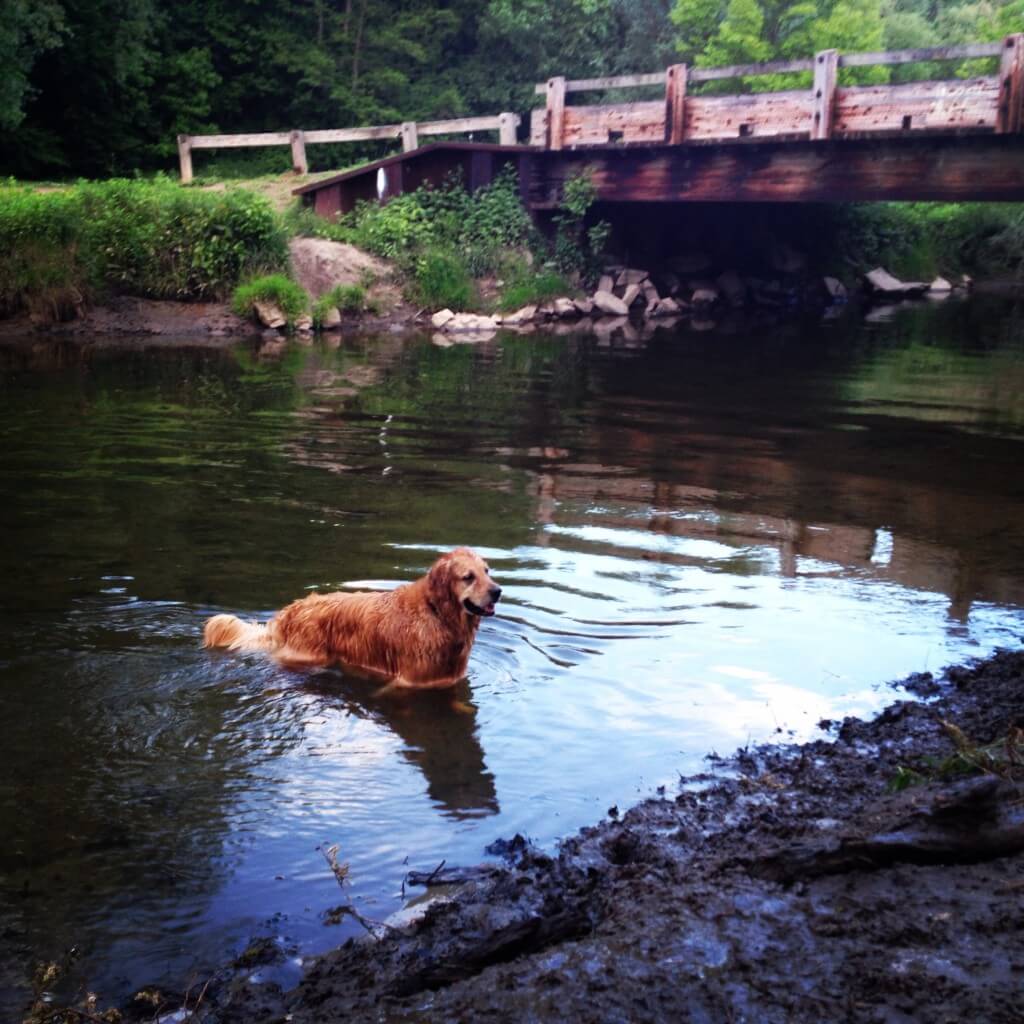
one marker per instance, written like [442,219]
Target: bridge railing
[986,103]
[409,132]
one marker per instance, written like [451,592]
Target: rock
[881,281]
[630,295]
[666,307]
[731,285]
[966,281]
[584,306]
[304,324]
[940,284]
[520,316]
[269,315]
[650,292]
[704,297]
[628,277]
[318,264]
[835,288]
[331,320]
[471,322]
[442,317]
[564,308]
[606,284]
[547,309]
[608,303]
[442,341]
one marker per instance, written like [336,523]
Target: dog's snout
[495,593]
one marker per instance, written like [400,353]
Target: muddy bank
[789,883]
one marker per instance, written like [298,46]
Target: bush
[533,288]
[282,291]
[349,298]
[442,280]
[151,239]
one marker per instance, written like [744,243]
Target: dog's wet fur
[419,635]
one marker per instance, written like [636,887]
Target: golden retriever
[418,635]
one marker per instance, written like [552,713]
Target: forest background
[102,87]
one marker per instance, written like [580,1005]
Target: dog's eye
[468,578]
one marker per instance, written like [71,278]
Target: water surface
[705,539]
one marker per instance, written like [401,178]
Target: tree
[27,29]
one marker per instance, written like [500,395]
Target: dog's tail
[231,632]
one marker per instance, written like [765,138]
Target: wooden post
[1010,113]
[298,142]
[507,124]
[185,157]
[675,104]
[555,112]
[410,137]
[826,66]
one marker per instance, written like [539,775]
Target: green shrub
[282,291]
[533,288]
[441,279]
[349,298]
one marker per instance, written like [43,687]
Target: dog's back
[231,632]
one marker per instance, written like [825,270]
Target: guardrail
[992,103]
[409,132]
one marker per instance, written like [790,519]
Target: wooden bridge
[955,139]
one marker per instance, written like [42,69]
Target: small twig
[199,1002]
[340,872]
[433,874]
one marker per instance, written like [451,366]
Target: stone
[608,303]
[564,308]
[331,320]
[881,281]
[629,276]
[666,307]
[732,286]
[630,295]
[606,284]
[835,288]
[545,310]
[471,322]
[441,318]
[304,324]
[966,281]
[704,296]
[269,315]
[940,284]
[520,316]
[584,306]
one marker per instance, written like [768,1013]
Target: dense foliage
[57,249]
[102,87]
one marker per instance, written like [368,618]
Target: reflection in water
[703,537]
[438,733]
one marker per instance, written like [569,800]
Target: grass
[441,280]
[278,289]
[347,298]
[532,289]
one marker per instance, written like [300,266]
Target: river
[707,539]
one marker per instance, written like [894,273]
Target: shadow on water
[704,538]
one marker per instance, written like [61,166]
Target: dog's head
[462,578]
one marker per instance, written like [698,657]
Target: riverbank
[786,883]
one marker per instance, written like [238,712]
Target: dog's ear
[439,580]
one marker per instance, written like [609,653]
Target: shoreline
[787,883]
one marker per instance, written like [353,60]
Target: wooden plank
[675,104]
[238,141]
[775,67]
[538,126]
[298,144]
[979,167]
[372,133]
[613,82]
[1010,112]
[826,65]
[967,52]
[185,158]
[556,113]
[621,122]
[754,116]
[508,123]
[459,125]
[410,138]
[917,106]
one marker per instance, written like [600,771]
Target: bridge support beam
[1010,112]
[972,167]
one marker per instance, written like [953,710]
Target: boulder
[630,295]
[546,310]
[471,322]
[966,281]
[564,308]
[704,297]
[584,306]
[608,303]
[630,276]
[666,307]
[606,284]
[269,315]
[882,282]
[331,320]
[520,316]
[304,324]
[835,288]
[442,317]
[940,284]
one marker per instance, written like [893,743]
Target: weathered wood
[775,67]
[675,104]
[185,158]
[622,122]
[461,125]
[826,66]
[754,116]
[507,125]
[298,144]
[612,82]
[947,169]
[372,133]
[410,139]
[1010,112]
[917,106]
[930,53]
[240,141]
[555,112]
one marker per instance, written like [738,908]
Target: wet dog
[419,635]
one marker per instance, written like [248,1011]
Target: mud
[729,901]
